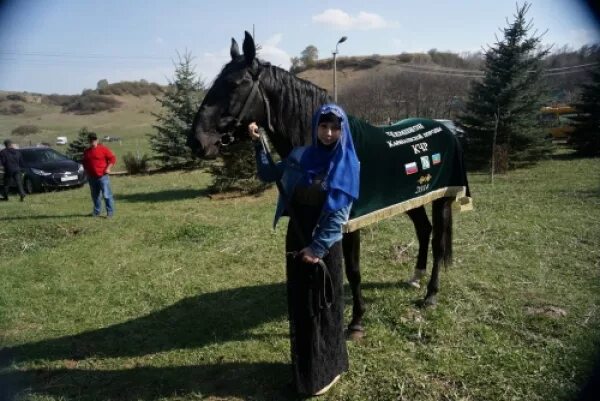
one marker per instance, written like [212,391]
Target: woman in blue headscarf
[319,184]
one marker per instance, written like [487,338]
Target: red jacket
[96,159]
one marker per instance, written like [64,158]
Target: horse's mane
[292,106]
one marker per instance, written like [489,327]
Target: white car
[61,140]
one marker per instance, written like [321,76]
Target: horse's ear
[249,48]
[235,49]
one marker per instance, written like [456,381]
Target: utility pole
[335,52]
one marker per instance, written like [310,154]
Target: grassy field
[131,121]
[180,297]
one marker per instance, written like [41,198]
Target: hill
[432,84]
[355,69]
[131,121]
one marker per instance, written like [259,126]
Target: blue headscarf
[339,165]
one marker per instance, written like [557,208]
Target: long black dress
[318,345]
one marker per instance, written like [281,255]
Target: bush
[12,109]
[91,103]
[26,130]
[59,100]
[135,88]
[16,97]
[136,164]
[405,58]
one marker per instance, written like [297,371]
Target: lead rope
[325,296]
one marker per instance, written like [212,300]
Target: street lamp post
[342,40]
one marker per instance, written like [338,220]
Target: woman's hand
[253,131]
[308,256]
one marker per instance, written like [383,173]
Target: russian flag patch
[411,168]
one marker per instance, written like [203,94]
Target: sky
[65,46]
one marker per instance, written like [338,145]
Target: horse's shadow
[263,380]
[194,322]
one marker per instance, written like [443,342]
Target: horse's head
[235,99]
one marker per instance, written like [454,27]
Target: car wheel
[28,185]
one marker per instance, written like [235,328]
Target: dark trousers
[12,175]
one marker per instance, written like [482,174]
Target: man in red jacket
[97,162]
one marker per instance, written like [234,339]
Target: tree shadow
[164,196]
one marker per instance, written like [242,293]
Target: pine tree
[237,172]
[180,103]
[586,137]
[501,117]
[76,147]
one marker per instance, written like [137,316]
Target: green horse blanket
[404,166]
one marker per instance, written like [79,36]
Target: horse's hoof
[430,302]
[427,302]
[355,333]
[412,284]
[415,280]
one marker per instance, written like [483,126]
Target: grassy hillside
[181,297]
[131,121]
[358,68]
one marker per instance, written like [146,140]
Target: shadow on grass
[265,381]
[193,322]
[46,216]
[164,196]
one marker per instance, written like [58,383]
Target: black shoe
[22,198]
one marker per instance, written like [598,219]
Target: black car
[45,168]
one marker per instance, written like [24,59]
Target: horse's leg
[441,245]
[351,248]
[423,229]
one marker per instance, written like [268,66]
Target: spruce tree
[586,137]
[180,103]
[237,172]
[76,147]
[501,116]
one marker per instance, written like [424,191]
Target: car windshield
[42,155]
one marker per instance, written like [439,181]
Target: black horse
[248,89]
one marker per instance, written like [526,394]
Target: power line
[480,74]
[83,56]
[37,59]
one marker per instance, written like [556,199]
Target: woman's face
[329,133]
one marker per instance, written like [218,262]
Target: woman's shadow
[193,322]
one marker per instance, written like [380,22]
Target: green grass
[181,297]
